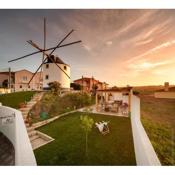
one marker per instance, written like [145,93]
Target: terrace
[114,101]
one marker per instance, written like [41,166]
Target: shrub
[55,87]
[136,92]
[70,102]
[75,86]
[54,105]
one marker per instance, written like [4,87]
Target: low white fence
[144,151]
[13,127]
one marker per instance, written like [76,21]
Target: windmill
[54,69]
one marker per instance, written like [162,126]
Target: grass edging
[42,123]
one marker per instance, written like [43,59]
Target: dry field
[158,118]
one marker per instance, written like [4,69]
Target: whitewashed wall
[55,74]
[144,151]
[119,96]
[17,134]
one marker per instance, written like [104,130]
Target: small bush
[55,87]
[75,86]
[136,92]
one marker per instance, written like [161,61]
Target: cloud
[108,43]
[146,33]
[155,49]
[139,43]
[147,65]
[87,47]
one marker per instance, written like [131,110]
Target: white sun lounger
[101,126]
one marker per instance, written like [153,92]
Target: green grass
[14,99]
[163,141]
[68,148]
[158,118]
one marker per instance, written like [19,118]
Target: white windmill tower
[51,72]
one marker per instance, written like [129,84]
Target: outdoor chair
[124,108]
[103,127]
[114,108]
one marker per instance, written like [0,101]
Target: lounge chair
[103,127]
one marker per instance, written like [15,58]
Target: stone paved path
[7,151]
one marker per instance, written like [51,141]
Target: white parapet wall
[13,127]
[144,151]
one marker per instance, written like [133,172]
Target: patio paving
[93,110]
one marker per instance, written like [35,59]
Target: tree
[55,87]
[5,83]
[86,124]
[75,86]
[94,89]
[114,87]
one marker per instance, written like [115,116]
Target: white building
[51,72]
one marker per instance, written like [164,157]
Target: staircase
[37,97]
[7,152]
[34,137]
[37,138]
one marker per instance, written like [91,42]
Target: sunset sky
[135,47]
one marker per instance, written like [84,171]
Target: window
[65,68]
[47,66]
[47,77]
[24,78]
[20,86]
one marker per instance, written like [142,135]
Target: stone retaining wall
[42,123]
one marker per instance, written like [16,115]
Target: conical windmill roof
[56,58]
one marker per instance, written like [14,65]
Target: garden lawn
[68,148]
[14,99]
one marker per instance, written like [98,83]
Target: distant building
[51,72]
[167,92]
[87,84]
[20,79]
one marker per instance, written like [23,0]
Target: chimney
[166,86]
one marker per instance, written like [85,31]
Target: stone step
[29,129]
[38,142]
[32,133]
[7,152]
[24,112]
[36,136]
[27,124]
[24,109]
[8,160]
[36,98]
[24,116]
[30,105]
[31,102]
